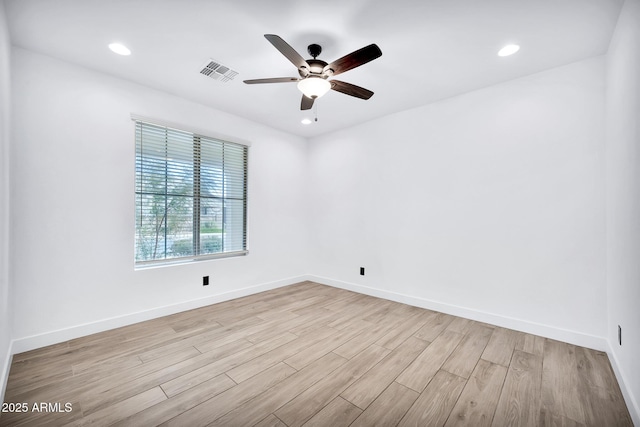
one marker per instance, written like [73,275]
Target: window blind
[191,196]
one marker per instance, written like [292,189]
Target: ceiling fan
[315,73]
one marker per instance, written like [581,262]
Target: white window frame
[197,137]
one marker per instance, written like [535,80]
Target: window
[191,196]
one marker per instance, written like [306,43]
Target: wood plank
[176,405]
[344,303]
[560,392]
[214,408]
[258,364]
[388,408]
[306,404]
[22,386]
[147,355]
[196,322]
[363,340]
[396,311]
[594,368]
[124,409]
[466,355]
[123,341]
[404,330]
[433,326]
[338,413]
[549,419]
[83,386]
[254,333]
[418,374]
[59,358]
[113,364]
[477,403]
[361,308]
[531,344]
[99,392]
[127,383]
[256,409]
[321,317]
[599,391]
[321,347]
[382,314]
[435,403]
[48,352]
[278,326]
[229,334]
[460,325]
[501,345]
[196,376]
[371,384]
[519,403]
[271,421]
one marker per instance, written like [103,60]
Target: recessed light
[306,121]
[119,49]
[509,49]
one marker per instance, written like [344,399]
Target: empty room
[365,213]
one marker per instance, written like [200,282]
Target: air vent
[217,71]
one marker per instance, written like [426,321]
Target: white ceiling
[432,49]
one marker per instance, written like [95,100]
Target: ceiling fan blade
[287,51]
[306,103]
[349,89]
[354,59]
[272,80]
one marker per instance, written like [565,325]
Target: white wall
[73,203]
[488,205]
[623,199]
[6,307]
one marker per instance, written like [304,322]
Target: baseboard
[633,405]
[547,331]
[42,340]
[53,337]
[4,374]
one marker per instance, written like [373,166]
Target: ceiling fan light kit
[315,74]
[314,87]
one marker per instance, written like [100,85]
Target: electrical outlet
[362,271]
[619,335]
[205,280]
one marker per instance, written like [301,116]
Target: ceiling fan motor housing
[316,66]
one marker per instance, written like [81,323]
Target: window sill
[144,265]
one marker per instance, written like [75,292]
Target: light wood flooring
[313,355]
